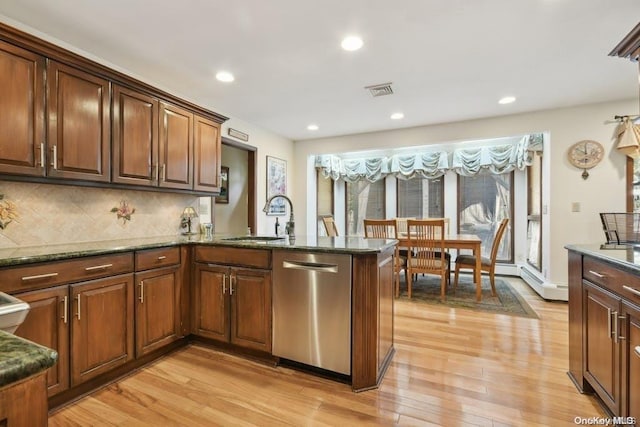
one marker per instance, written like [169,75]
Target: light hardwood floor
[452,367]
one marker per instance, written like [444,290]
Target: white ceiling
[448,60]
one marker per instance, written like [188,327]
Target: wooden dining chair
[486,264]
[386,229]
[329,225]
[426,251]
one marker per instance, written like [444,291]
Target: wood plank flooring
[452,367]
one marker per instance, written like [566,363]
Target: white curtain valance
[421,165]
[496,159]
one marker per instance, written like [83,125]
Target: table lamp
[188,213]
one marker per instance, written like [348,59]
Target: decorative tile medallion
[8,212]
[124,211]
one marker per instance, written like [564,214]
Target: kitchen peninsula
[604,325]
[158,294]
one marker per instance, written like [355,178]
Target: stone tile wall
[43,214]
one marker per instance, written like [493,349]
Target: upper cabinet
[22,111]
[66,117]
[79,120]
[176,147]
[207,147]
[135,137]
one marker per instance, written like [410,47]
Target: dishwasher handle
[311,266]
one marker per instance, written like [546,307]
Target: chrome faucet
[290,226]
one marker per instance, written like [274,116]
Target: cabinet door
[47,325]
[207,147]
[135,137]
[251,308]
[211,313]
[602,353]
[101,326]
[22,111]
[79,124]
[631,361]
[157,309]
[176,147]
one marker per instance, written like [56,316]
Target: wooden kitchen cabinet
[158,288]
[79,123]
[101,326]
[48,324]
[135,137]
[602,352]
[82,308]
[207,149]
[631,361]
[22,110]
[604,332]
[233,304]
[176,147]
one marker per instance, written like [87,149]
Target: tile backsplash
[53,214]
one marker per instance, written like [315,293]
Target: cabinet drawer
[257,258]
[54,273]
[154,258]
[623,283]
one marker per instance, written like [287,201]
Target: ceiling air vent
[380,89]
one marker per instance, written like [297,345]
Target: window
[324,200]
[483,201]
[420,198]
[534,208]
[364,200]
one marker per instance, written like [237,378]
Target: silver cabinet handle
[231,280]
[632,290]
[619,337]
[596,274]
[141,297]
[224,284]
[637,350]
[54,160]
[610,332]
[615,327]
[160,258]
[98,267]
[42,165]
[65,308]
[78,314]
[39,276]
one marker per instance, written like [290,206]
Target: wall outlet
[575,207]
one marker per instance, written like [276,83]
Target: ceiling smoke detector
[380,89]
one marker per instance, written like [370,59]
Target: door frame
[252,156]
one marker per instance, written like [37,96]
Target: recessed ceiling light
[397,116]
[507,100]
[225,76]
[352,43]
[313,127]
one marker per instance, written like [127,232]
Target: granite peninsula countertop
[20,358]
[45,253]
[625,256]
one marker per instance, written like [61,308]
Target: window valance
[497,157]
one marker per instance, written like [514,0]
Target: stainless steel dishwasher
[312,309]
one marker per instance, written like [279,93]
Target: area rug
[508,301]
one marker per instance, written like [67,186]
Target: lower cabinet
[89,324]
[157,308]
[233,304]
[631,361]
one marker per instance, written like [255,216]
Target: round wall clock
[585,155]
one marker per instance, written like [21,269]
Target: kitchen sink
[254,239]
[12,312]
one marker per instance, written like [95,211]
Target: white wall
[604,191]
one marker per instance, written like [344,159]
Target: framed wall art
[276,184]
[223,197]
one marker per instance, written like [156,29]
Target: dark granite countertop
[625,256]
[33,254]
[20,358]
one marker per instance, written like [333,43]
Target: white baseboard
[546,290]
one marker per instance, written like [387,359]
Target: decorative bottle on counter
[277,226]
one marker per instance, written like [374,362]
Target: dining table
[457,241]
